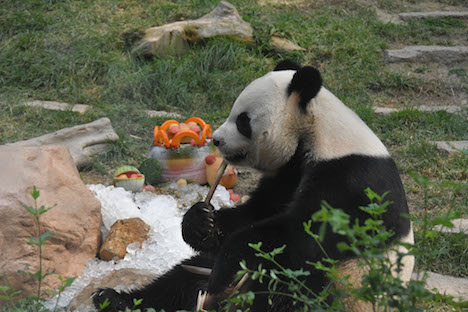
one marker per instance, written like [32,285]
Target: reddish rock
[123,233]
[75,221]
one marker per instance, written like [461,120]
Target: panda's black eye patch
[243,125]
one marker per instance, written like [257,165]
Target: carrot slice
[163,135]
[206,133]
[184,133]
[156,140]
[167,123]
[198,120]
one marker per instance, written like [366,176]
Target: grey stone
[435,14]
[385,110]
[284,45]
[79,108]
[451,147]
[423,108]
[386,18]
[153,113]
[449,285]
[173,38]
[83,141]
[427,54]
[459,226]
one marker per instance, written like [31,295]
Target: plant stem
[40,249]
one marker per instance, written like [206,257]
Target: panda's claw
[206,210]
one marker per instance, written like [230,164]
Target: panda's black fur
[285,198]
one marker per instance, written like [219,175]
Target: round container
[185,162]
[129,184]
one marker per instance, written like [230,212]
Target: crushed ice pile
[163,213]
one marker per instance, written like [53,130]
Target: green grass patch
[430,31]
[452,256]
[408,134]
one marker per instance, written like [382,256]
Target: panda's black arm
[274,232]
[272,196]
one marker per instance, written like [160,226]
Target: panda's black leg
[175,290]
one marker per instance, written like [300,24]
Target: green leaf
[104,305]
[33,241]
[442,220]
[421,180]
[137,302]
[277,251]
[31,210]
[256,246]
[35,193]
[45,236]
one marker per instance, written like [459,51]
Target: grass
[431,31]
[452,257]
[79,52]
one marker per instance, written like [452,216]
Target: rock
[423,108]
[79,108]
[163,114]
[436,14]
[281,2]
[284,45]
[173,38]
[427,54]
[449,285]
[386,18]
[123,233]
[164,40]
[459,226]
[451,147]
[75,221]
[118,279]
[83,141]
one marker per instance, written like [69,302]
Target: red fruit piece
[122,176]
[235,197]
[173,130]
[195,129]
[133,175]
[210,159]
[148,188]
[231,191]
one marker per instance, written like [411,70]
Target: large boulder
[173,39]
[75,221]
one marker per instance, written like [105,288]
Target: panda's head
[262,130]
[288,105]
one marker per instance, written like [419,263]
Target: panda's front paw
[198,227]
[108,300]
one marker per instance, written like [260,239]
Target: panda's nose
[216,142]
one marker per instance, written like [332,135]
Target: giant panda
[310,148]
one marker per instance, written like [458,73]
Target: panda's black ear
[306,83]
[287,65]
